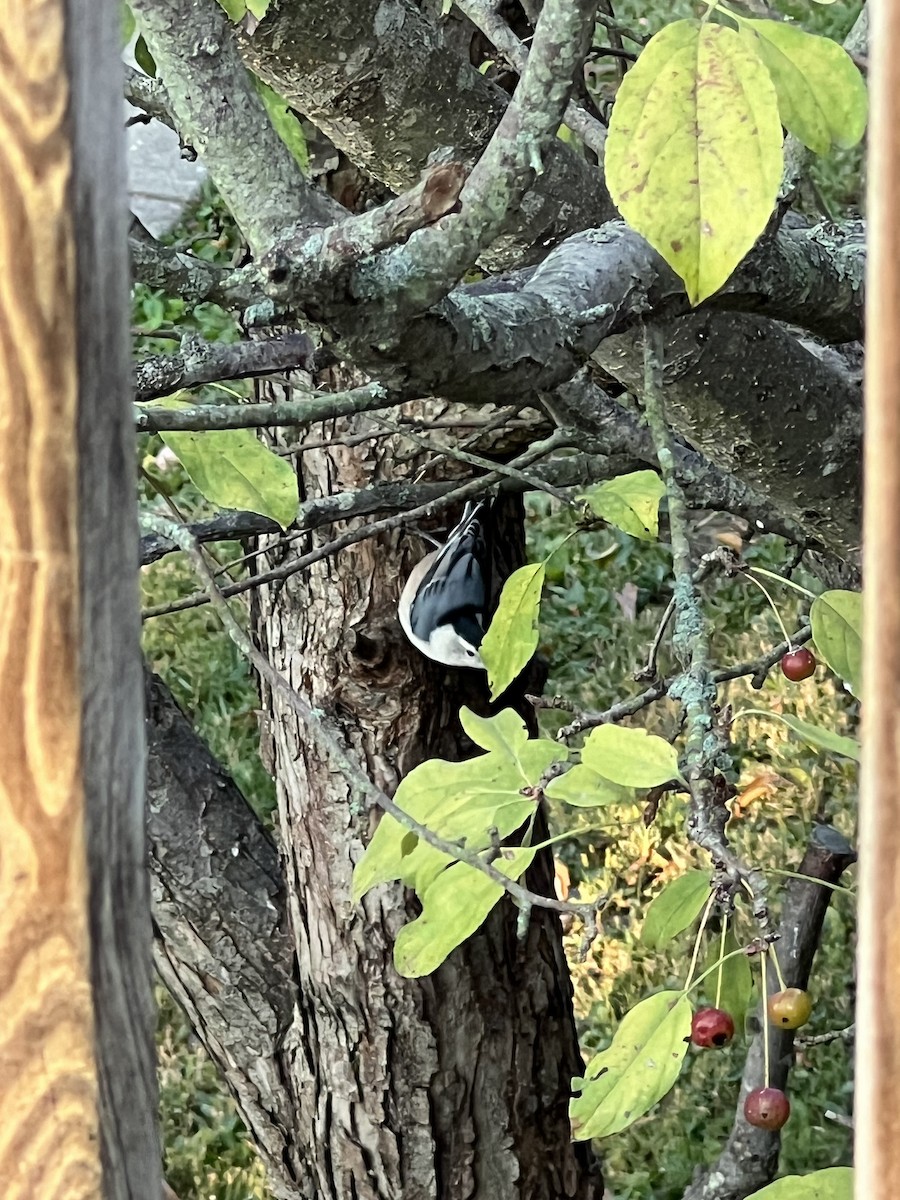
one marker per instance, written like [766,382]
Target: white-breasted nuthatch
[443,605]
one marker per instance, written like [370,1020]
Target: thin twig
[757,667]
[484,16]
[825,1039]
[531,482]
[293,413]
[466,491]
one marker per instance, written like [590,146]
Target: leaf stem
[715,966]
[774,954]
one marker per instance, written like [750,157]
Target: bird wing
[457,570]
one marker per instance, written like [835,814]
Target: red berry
[798,664]
[790,1009]
[711,1028]
[767,1108]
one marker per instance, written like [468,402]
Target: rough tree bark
[456,1085]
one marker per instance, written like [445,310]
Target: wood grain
[66,961]
[878,1012]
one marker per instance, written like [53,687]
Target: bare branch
[465,491]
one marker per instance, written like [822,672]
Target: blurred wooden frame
[877,1112]
[78,1112]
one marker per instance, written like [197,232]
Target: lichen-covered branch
[191,279]
[694,688]
[198,361]
[219,111]
[317,407]
[383,60]
[148,95]
[485,17]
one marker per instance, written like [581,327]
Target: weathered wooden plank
[75,1021]
[878,1014]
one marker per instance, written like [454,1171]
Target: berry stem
[835,887]
[765,1029]
[715,965]
[721,960]
[768,596]
[774,954]
[706,911]
[782,579]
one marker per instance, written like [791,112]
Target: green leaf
[234,9]
[453,907]
[675,908]
[632,757]
[630,502]
[128,25]
[584,788]
[459,800]
[737,980]
[834,1183]
[285,121]
[822,97]
[144,58]
[822,739]
[836,619]
[259,8]
[232,468]
[694,153]
[505,732]
[512,638]
[626,1080]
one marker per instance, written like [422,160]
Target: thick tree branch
[405,281]
[485,17]
[219,111]
[385,59]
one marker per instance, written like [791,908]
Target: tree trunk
[452,1086]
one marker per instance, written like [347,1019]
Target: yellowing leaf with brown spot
[694,154]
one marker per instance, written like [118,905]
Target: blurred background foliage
[604,598]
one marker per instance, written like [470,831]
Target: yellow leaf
[694,154]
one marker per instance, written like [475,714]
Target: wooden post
[77,1081]
[877,1121]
